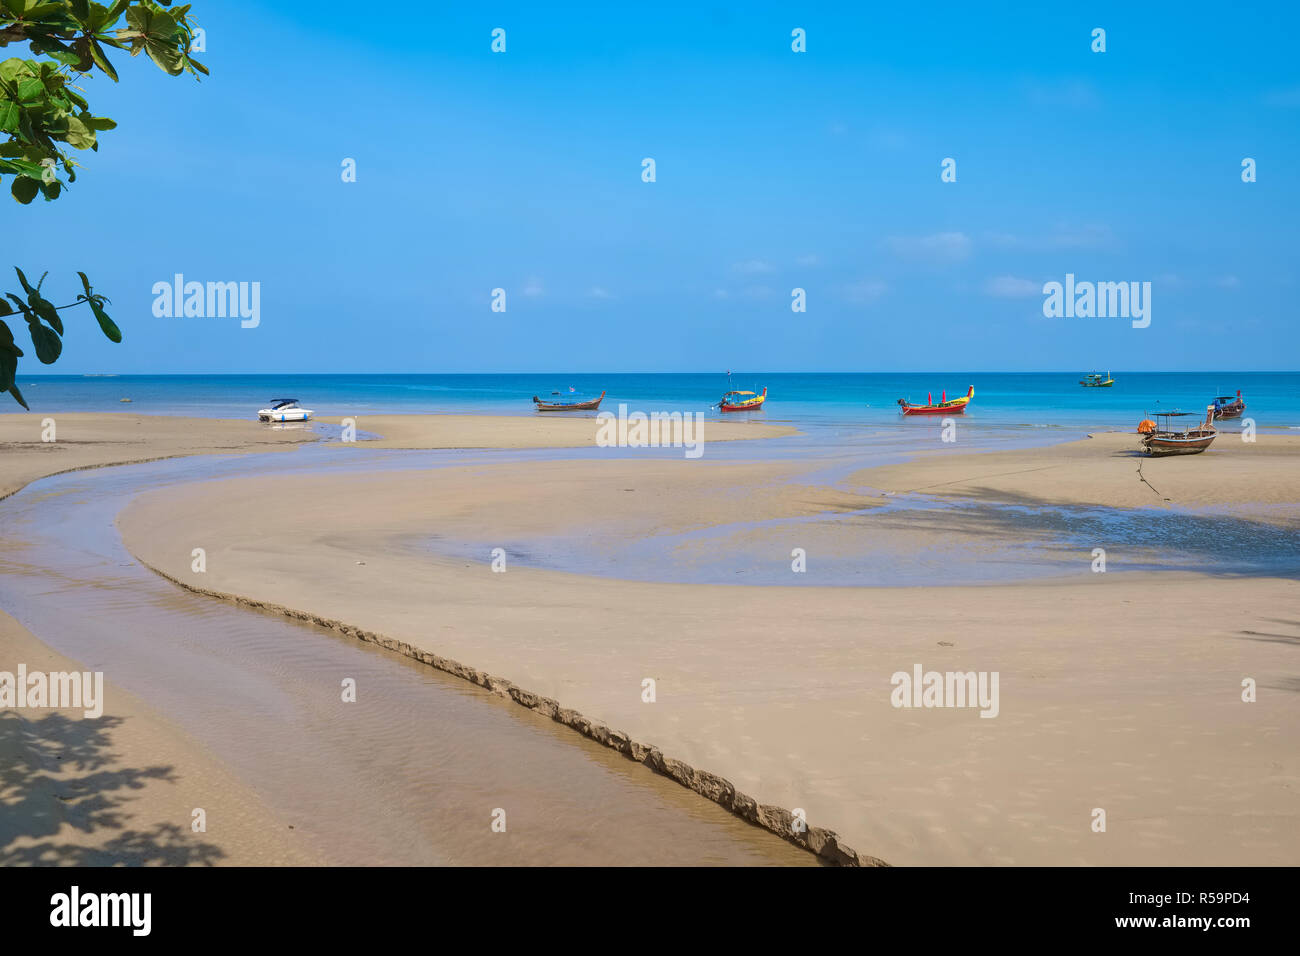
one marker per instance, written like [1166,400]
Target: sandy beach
[1107,701]
[120,789]
[96,439]
[517,431]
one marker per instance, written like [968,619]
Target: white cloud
[753,267]
[1010,287]
[597,292]
[940,247]
[1063,237]
[809,260]
[1227,282]
[533,287]
[865,290]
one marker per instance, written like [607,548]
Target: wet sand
[540,430]
[356,789]
[1118,691]
[121,788]
[1104,470]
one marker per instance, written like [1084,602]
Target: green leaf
[8,358]
[39,11]
[45,309]
[47,342]
[24,189]
[106,325]
[22,277]
[69,57]
[13,390]
[101,60]
[30,87]
[85,283]
[7,342]
[165,55]
[79,136]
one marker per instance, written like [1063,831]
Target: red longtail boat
[576,403]
[945,405]
[1225,406]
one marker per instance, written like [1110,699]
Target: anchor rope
[1142,478]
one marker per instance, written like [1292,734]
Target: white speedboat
[284,410]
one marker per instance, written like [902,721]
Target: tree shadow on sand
[55,773]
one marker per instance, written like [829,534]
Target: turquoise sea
[1002,400]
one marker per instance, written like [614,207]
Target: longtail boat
[1225,406]
[1166,439]
[576,403]
[945,405]
[1095,380]
[742,401]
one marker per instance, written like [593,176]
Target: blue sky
[775,170]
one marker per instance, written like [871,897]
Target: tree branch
[14,33]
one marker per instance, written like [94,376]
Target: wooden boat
[1225,406]
[1096,380]
[576,403]
[742,401]
[1168,440]
[945,405]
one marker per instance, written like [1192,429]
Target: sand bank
[1118,692]
[1103,470]
[120,789]
[518,431]
[135,778]
[95,439]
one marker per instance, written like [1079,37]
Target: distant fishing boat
[1166,439]
[945,405]
[740,401]
[284,410]
[1097,380]
[573,402]
[1225,406]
